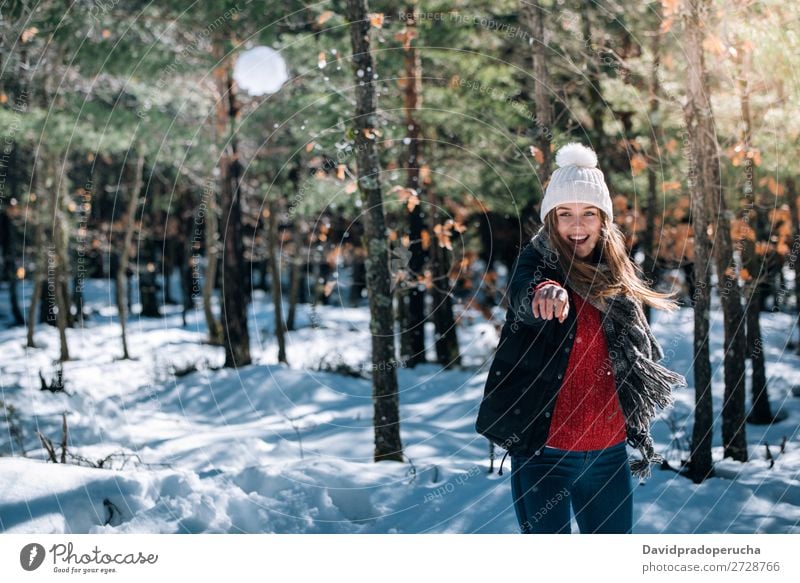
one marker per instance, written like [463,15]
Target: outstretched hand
[551,301]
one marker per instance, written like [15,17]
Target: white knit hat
[577,179]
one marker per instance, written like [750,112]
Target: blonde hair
[623,276]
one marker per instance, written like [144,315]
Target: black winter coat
[529,364]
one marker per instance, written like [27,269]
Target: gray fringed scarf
[642,384]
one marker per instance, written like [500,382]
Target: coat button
[571,335]
[537,452]
[547,414]
[566,349]
[559,375]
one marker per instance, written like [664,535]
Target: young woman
[575,376]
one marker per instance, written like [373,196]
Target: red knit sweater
[587,414]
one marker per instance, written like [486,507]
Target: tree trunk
[359,276]
[700,463]
[650,236]
[168,261]
[299,238]
[596,104]
[316,256]
[211,232]
[51,186]
[447,350]
[39,274]
[708,172]
[234,303]
[760,412]
[388,445]
[47,305]
[77,298]
[148,286]
[794,255]
[275,274]
[8,232]
[122,277]
[413,332]
[210,198]
[294,275]
[8,237]
[754,263]
[533,16]
[188,272]
[59,247]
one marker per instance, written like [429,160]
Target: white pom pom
[576,154]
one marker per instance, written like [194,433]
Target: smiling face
[578,224]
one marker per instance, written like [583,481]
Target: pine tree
[388,445]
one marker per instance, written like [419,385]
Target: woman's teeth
[579,239]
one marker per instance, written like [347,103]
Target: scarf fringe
[659,382]
[641,468]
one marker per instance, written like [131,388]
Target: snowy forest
[255,255]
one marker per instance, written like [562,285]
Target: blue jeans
[596,484]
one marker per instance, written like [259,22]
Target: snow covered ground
[271,448]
